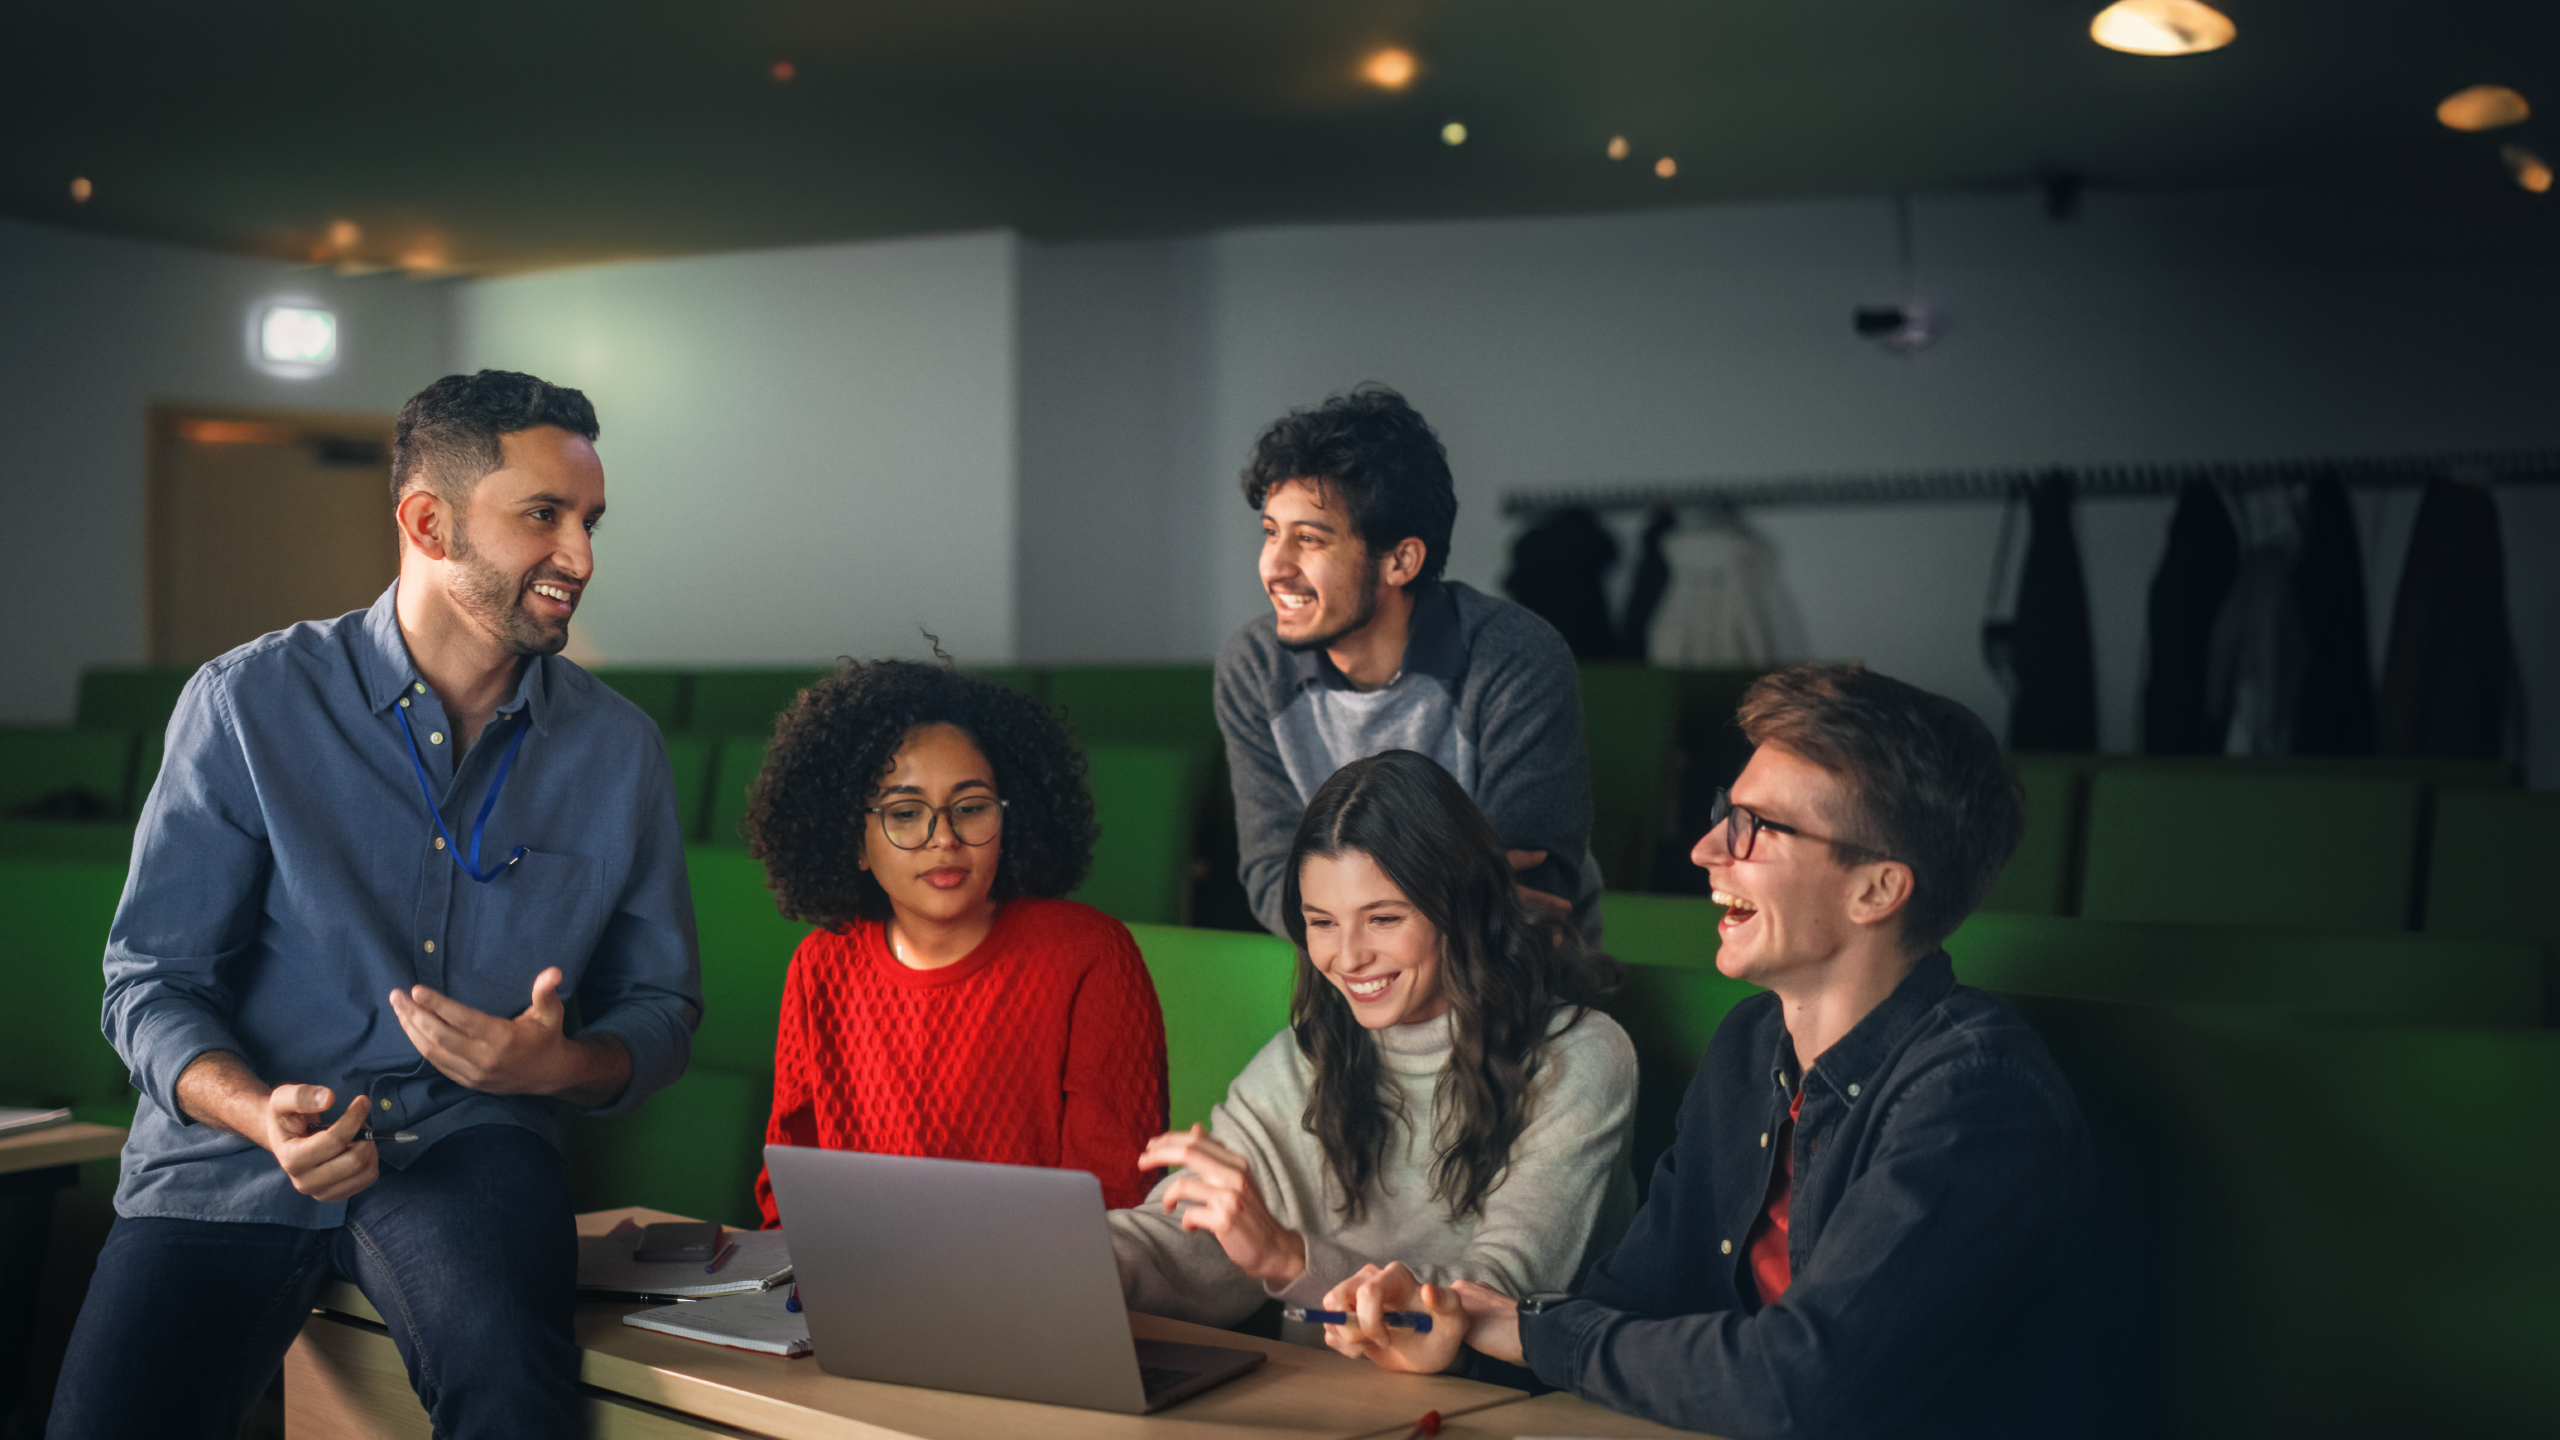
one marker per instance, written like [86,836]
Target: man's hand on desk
[529,1055]
[324,1161]
[1466,1313]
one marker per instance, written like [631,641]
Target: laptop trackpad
[1174,1372]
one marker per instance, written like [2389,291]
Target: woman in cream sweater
[1445,1094]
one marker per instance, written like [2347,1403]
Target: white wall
[808,452]
[1716,343]
[98,330]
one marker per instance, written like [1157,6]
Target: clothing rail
[2088,481]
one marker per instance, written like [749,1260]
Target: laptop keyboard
[1157,1379]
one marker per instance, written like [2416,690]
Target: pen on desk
[720,1259]
[1414,1320]
[793,1304]
[778,1277]
[386,1137]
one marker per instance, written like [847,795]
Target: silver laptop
[989,1279]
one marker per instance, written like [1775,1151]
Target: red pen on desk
[721,1259]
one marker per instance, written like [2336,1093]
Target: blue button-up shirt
[286,878]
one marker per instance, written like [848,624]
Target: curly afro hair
[831,748]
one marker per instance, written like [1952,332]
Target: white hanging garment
[1725,606]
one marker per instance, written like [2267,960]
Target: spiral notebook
[758,1321]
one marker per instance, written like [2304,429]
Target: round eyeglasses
[910,824]
[1742,827]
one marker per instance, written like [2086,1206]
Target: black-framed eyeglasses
[910,824]
[1742,827]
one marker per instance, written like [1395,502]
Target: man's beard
[487,595]
[1367,612]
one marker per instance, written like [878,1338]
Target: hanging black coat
[2448,678]
[2187,592]
[1558,570]
[2334,713]
[2056,705]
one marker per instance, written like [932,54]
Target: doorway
[258,519]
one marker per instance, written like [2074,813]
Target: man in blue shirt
[383,854]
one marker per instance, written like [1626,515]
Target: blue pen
[1414,1320]
[793,1304]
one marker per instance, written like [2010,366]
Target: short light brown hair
[1922,779]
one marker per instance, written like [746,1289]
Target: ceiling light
[1389,69]
[2162,27]
[344,234]
[1617,147]
[2482,107]
[81,190]
[1453,133]
[784,72]
[2528,168]
[1666,167]
[293,338]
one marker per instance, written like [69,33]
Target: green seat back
[53,951]
[2490,866]
[689,760]
[1030,681]
[1146,802]
[1137,704]
[693,1149]
[129,697]
[2042,873]
[1630,722]
[1659,929]
[92,842]
[39,761]
[2251,849]
[2373,977]
[747,947]
[1225,993]
[733,769]
[746,702]
[1670,1012]
[660,694]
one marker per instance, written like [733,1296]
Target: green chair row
[1157,704]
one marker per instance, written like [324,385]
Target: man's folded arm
[1957,1221]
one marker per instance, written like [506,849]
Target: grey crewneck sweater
[1566,1198]
[1487,689]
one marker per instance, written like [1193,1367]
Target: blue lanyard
[470,867]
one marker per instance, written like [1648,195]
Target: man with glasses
[1876,1217]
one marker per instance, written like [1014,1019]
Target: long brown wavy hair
[1505,973]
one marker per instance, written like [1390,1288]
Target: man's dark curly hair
[805,816]
[1374,456]
[447,436]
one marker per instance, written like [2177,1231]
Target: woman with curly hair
[949,1004]
[1445,1093]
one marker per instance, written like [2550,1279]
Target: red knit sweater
[1043,1046]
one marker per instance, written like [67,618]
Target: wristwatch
[1539,1302]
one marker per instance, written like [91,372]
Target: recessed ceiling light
[81,190]
[1389,69]
[2529,169]
[1666,167]
[1617,147]
[344,233]
[1453,133]
[784,72]
[2162,27]
[2482,107]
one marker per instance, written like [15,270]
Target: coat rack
[2109,482]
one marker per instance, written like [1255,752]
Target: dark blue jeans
[470,1254]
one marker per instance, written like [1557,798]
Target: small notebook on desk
[606,1267]
[755,1321]
[14,1121]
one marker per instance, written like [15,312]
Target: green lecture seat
[1030,681]
[1225,994]
[2490,863]
[53,949]
[734,768]
[1137,704]
[1670,1012]
[747,947]
[95,842]
[2329,853]
[37,762]
[689,758]
[1630,726]
[2040,876]
[660,694]
[2417,979]
[129,697]
[746,702]
[693,1148]
[1659,929]
[1146,803]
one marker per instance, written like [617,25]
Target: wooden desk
[1556,1415]
[58,1145]
[344,1379]
[33,1165]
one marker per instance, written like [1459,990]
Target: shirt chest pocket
[546,909]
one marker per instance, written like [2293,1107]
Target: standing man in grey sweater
[1368,649]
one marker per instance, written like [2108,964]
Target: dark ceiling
[483,136]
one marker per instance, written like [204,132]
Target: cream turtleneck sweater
[1566,1197]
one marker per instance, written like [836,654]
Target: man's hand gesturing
[325,1162]
[529,1055]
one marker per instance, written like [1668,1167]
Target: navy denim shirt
[1941,1238]
[286,878]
